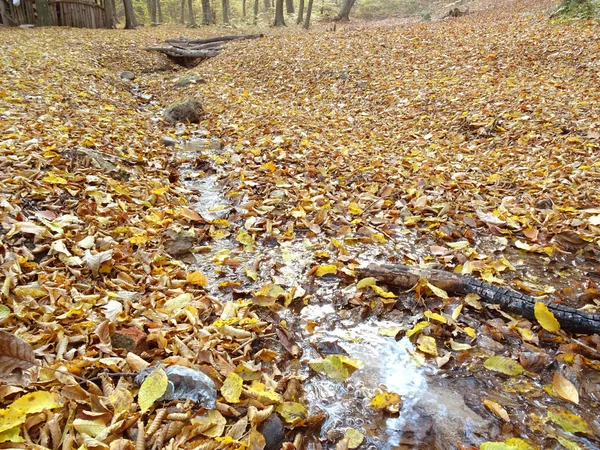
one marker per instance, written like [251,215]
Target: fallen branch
[406,277]
[214,39]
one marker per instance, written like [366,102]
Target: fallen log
[406,277]
[190,53]
[211,40]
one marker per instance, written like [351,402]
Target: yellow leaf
[458,346]
[52,178]
[327,269]
[503,365]
[256,441]
[545,318]
[366,282]
[510,444]
[159,191]
[386,400]
[569,422]
[244,238]
[153,388]
[176,305]
[438,292]
[261,393]
[34,402]
[418,327]
[569,445]
[120,399]
[497,409]
[90,427]
[292,412]
[435,316]
[212,424]
[355,438]
[12,435]
[565,389]
[354,209]
[458,244]
[379,291]
[232,387]
[427,345]
[197,279]
[391,332]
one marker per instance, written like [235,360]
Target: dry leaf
[565,389]
[15,354]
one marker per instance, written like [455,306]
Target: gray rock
[127,75]
[186,81]
[179,243]
[189,110]
[168,141]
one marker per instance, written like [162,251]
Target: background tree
[43,13]
[344,14]
[300,12]
[206,13]
[289,6]
[225,6]
[279,19]
[151,10]
[255,12]
[109,14]
[182,16]
[191,14]
[130,22]
[308,14]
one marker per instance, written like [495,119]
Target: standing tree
[279,19]
[289,6]
[255,12]
[109,14]
[225,6]
[206,13]
[159,11]
[243,9]
[308,13]
[151,10]
[182,16]
[344,15]
[191,13]
[43,13]
[130,22]
[300,12]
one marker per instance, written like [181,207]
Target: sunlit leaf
[545,318]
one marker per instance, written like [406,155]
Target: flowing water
[439,407]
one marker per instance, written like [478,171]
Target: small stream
[439,407]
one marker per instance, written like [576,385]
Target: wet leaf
[387,401]
[326,270]
[292,412]
[366,282]
[197,279]
[569,445]
[503,365]
[355,438]
[418,327]
[545,318]
[510,444]
[497,409]
[427,344]
[153,388]
[437,291]
[571,423]
[259,391]
[565,389]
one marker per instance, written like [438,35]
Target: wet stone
[168,141]
[179,243]
[187,111]
[273,432]
[186,81]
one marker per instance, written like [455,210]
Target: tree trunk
[243,9]
[225,5]
[344,15]
[300,12]
[191,14]
[206,12]
[255,12]
[130,22]
[109,19]
[7,20]
[267,4]
[308,13]
[151,10]
[159,10]
[289,6]
[43,13]
[279,19]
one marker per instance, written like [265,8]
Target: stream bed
[441,399]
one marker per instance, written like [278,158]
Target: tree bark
[243,9]
[130,22]
[279,19]
[255,12]
[206,12]
[300,12]
[109,14]
[308,14]
[191,14]
[43,13]
[225,6]
[159,11]
[289,6]
[344,14]
[267,4]
[7,19]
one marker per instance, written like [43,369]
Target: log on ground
[406,277]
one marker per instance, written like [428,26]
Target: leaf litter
[452,143]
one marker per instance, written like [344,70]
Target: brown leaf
[570,240]
[15,353]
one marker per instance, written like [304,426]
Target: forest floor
[468,144]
